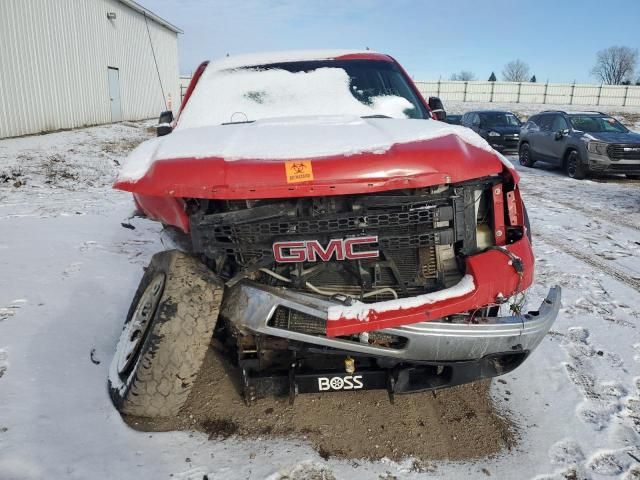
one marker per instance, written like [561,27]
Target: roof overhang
[149,14]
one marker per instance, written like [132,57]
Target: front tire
[574,166]
[165,336]
[524,155]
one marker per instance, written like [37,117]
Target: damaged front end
[399,289]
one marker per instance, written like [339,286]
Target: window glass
[498,119]
[532,123]
[545,122]
[595,124]
[559,123]
[366,88]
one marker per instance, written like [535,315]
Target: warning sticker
[298,171]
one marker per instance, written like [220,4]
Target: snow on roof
[586,112]
[266,58]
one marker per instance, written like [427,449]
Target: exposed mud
[456,424]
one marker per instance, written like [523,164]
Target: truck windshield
[596,124]
[365,88]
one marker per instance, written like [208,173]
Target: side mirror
[561,133]
[437,109]
[164,123]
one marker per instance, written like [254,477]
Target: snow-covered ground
[68,270]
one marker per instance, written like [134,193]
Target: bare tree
[515,71]
[615,65]
[464,75]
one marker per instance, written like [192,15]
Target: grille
[279,227]
[625,167]
[624,151]
[409,225]
[296,321]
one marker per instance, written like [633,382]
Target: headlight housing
[494,134]
[599,148]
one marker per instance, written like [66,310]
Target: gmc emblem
[312,250]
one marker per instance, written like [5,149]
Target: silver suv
[581,143]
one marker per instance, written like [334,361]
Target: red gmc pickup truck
[340,238]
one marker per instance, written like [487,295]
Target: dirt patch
[14,176]
[56,169]
[121,147]
[456,424]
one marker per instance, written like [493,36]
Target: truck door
[543,144]
[559,129]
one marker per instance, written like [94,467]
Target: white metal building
[72,63]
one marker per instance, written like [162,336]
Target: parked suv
[581,143]
[500,129]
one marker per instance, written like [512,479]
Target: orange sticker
[298,171]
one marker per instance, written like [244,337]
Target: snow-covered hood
[334,149]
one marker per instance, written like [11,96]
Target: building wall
[54,56]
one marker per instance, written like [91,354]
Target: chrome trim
[249,306]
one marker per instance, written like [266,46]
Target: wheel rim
[135,331]
[572,165]
[524,155]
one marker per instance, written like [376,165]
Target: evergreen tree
[492,78]
[533,79]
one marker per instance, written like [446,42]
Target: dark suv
[500,129]
[581,143]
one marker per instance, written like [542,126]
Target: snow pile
[292,138]
[250,95]
[362,311]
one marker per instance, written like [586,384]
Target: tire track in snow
[606,405]
[610,217]
[4,364]
[589,259]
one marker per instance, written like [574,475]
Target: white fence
[526,92]
[184,84]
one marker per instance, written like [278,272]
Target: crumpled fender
[410,165]
[494,280]
[425,163]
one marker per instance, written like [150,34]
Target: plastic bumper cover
[603,164]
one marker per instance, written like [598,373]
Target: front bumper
[249,306]
[603,164]
[504,143]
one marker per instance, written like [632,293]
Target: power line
[155,60]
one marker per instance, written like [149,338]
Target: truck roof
[266,58]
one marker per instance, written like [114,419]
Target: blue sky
[558,39]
